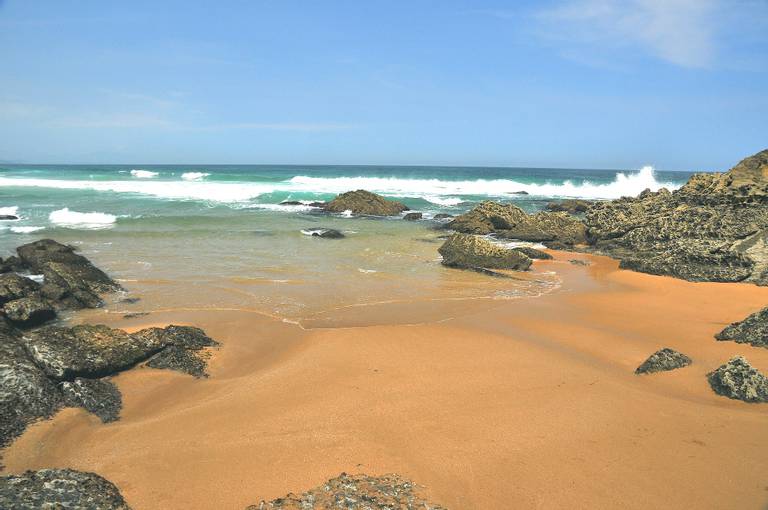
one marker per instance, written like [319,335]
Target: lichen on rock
[739,380]
[753,330]
[663,360]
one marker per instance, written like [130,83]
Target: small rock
[8,217]
[130,300]
[327,233]
[134,315]
[737,379]
[753,330]
[98,396]
[413,216]
[291,202]
[663,360]
[468,251]
[520,193]
[59,489]
[364,202]
[580,262]
[29,311]
[442,216]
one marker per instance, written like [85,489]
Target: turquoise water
[217,237]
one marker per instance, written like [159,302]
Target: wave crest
[144,174]
[89,221]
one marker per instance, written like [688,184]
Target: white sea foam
[194,176]
[90,220]
[444,201]
[366,271]
[624,184]
[144,174]
[26,230]
[282,207]
[9,211]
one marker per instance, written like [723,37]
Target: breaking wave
[90,220]
[144,174]
[194,176]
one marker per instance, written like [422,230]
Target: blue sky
[679,84]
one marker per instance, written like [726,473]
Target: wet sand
[526,403]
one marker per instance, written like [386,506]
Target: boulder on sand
[364,202]
[753,330]
[413,216]
[468,251]
[737,379]
[663,360]
[59,488]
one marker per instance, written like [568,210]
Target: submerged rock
[364,202]
[442,216]
[511,222]
[325,233]
[753,330]
[737,379]
[468,251]
[571,206]
[355,492]
[663,360]
[59,488]
[98,396]
[413,216]
[714,228]
[5,217]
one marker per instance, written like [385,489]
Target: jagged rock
[14,286]
[355,492]
[86,350]
[70,278]
[533,253]
[468,251]
[714,228]
[183,351]
[59,489]
[737,379]
[180,360]
[29,311]
[663,360]
[571,206]
[511,222]
[26,394]
[413,216]
[753,330]
[98,396]
[364,202]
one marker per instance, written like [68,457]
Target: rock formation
[59,488]
[663,360]
[533,253]
[355,492]
[468,251]
[365,203]
[737,379]
[753,330]
[570,205]
[413,216]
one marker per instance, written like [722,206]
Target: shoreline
[529,402]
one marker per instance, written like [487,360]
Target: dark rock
[59,489]
[663,360]
[571,206]
[98,396]
[714,228]
[442,216]
[291,202]
[70,277]
[188,337]
[520,193]
[134,315]
[326,233]
[180,360]
[130,300]
[413,216]
[468,251]
[753,330]
[355,492]
[29,311]
[26,394]
[580,262]
[183,351]
[737,379]
[533,253]
[87,351]
[13,286]
[511,222]
[8,217]
[364,202]
[317,204]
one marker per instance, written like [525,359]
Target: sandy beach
[523,403]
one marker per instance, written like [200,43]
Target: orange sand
[529,403]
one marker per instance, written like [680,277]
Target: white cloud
[682,32]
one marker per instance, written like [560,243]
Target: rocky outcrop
[533,253]
[663,360]
[29,311]
[59,488]
[510,222]
[355,492]
[51,367]
[714,228]
[571,206]
[413,216]
[737,379]
[365,203]
[753,330]
[468,251]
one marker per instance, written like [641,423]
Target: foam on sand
[80,220]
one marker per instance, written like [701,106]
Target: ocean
[216,236]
